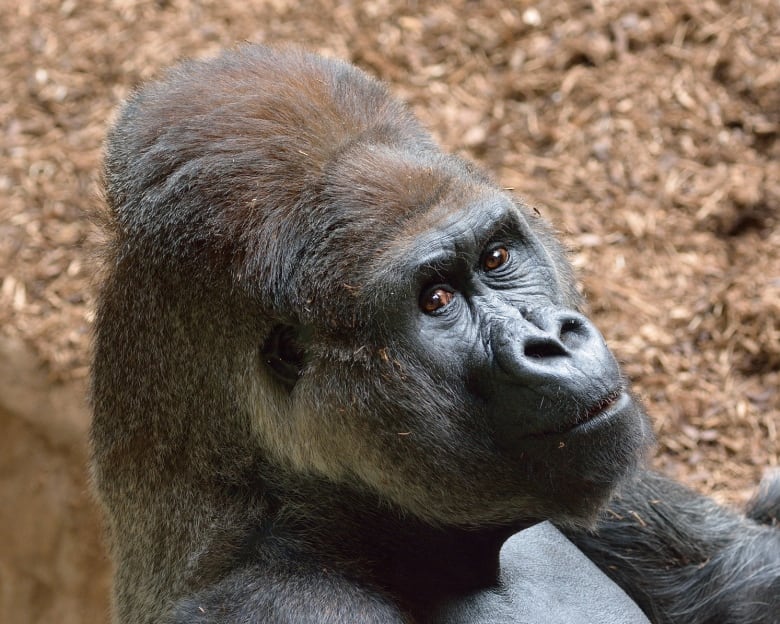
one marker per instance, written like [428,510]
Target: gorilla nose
[562,332]
[550,345]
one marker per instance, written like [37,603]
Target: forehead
[459,220]
[388,208]
[461,223]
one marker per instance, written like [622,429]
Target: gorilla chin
[580,469]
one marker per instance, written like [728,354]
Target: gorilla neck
[417,563]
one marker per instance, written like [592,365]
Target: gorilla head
[361,306]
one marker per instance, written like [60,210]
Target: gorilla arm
[684,558]
[545,579]
[294,596]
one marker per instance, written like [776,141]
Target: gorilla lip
[603,407]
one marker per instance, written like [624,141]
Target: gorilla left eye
[435,299]
[495,258]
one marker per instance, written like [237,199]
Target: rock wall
[53,566]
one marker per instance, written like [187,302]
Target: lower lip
[603,416]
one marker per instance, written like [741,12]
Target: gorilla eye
[435,299]
[495,258]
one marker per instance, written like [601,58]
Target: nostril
[573,332]
[543,348]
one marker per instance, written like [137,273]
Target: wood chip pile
[646,131]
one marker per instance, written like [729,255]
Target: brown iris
[435,299]
[495,258]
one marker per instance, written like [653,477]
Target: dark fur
[685,559]
[275,187]
[764,507]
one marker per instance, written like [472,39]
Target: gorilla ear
[283,354]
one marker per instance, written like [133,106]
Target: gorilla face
[458,361]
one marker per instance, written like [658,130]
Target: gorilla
[335,369]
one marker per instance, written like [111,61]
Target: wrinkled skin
[336,368]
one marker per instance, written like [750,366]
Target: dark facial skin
[491,307]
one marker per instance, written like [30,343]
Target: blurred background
[647,132]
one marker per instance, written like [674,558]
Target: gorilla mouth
[601,409]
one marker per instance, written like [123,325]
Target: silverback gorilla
[335,369]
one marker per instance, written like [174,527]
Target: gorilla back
[334,367]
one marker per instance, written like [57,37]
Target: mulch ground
[646,131]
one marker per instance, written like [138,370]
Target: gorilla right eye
[436,298]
